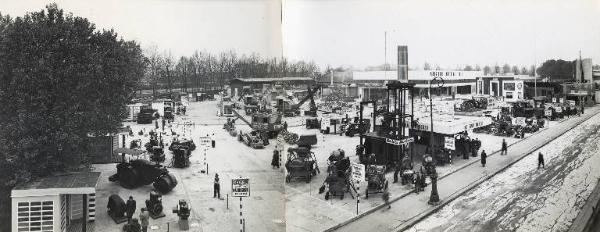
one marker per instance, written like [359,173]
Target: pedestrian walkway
[408,209]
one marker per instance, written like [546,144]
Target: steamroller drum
[128,177]
[165,183]
[116,206]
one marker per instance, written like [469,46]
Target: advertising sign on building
[399,142]
[358,172]
[240,187]
[561,100]
[449,143]
[553,100]
[548,113]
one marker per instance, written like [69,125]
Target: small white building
[55,204]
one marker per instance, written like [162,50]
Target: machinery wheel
[327,195]
[287,178]
[165,183]
[128,178]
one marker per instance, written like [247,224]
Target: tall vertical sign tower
[403,63]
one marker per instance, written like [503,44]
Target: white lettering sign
[240,187]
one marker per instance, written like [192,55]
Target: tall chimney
[403,63]
[331,78]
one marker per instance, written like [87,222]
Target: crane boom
[310,95]
[238,115]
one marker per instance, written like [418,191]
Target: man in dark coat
[217,187]
[483,158]
[130,208]
[541,161]
[504,148]
[275,159]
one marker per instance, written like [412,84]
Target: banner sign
[449,143]
[399,142]
[240,187]
[358,172]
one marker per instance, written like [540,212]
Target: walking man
[504,148]
[386,198]
[541,161]
[130,208]
[483,158]
[144,215]
[275,159]
[217,187]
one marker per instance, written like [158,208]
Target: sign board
[548,113]
[561,100]
[520,121]
[358,172]
[205,141]
[240,187]
[553,100]
[571,102]
[449,143]
[399,142]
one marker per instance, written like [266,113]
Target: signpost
[449,143]
[240,188]
[520,121]
[358,175]
[205,143]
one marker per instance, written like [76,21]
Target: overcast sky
[351,32]
[444,32]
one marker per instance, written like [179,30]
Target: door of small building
[494,88]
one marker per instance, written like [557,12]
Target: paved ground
[525,198]
[405,210]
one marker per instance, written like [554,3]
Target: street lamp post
[434,198]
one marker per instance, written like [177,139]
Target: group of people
[134,224]
[504,151]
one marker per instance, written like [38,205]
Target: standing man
[217,187]
[144,215]
[541,160]
[163,123]
[483,158]
[504,148]
[212,140]
[130,208]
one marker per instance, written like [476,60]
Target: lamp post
[434,198]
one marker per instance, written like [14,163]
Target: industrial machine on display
[116,208]
[389,140]
[254,139]
[285,107]
[376,182]
[337,182]
[142,172]
[301,164]
[154,205]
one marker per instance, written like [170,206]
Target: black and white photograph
[299,115]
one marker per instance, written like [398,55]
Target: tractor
[181,157]
[301,164]
[337,182]
[142,172]
[254,139]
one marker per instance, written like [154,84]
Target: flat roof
[270,79]
[69,183]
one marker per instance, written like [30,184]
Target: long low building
[256,84]
[455,82]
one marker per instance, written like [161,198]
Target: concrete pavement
[410,208]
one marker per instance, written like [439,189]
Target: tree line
[213,71]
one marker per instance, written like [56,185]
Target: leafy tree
[477,67]
[468,68]
[62,80]
[487,70]
[557,70]
[497,69]
[516,70]
[524,71]
[426,66]
[506,68]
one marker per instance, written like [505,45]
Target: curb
[455,195]
[588,213]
